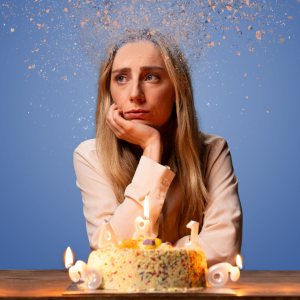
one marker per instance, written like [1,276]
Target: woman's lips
[136,114]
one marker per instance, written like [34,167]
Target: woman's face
[140,81]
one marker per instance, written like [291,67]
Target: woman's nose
[136,94]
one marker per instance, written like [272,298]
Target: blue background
[251,99]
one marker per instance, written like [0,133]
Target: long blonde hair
[117,157]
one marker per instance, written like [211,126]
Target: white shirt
[221,234]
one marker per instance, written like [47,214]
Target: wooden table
[49,284]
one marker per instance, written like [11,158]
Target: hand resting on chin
[147,137]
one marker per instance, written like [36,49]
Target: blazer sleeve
[100,203]
[221,234]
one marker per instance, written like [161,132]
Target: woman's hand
[148,138]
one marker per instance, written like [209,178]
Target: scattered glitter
[68,39]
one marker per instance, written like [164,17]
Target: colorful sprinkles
[162,268]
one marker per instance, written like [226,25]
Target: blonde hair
[117,156]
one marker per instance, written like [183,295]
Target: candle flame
[68,258]
[239,261]
[146,208]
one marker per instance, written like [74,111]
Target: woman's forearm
[154,151]
[99,200]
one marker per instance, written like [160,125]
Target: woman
[148,143]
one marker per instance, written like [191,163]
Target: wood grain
[50,284]
[36,283]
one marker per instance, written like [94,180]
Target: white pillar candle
[193,243]
[81,271]
[107,236]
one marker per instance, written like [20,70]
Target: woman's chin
[139,121]
[145,122]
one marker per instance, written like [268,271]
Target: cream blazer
[221,234]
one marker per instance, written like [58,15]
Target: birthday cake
[149,264]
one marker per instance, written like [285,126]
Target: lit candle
[81,271]
[142,226]
[193,243]
[217,275]
[107,236]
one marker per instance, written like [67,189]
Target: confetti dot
[258,34]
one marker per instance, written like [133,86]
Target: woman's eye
[120,78]
[151,76]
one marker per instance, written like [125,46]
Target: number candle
[81,271]
[217,275]
[107,236]
[193,243]
[142,226]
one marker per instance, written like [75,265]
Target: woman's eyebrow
[142,69]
